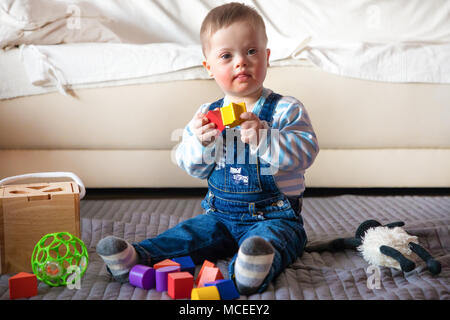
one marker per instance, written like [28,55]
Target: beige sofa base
[371,134]
[340,168]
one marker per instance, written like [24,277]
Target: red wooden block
[209,274]
[165,263]
[180,285]
[22,285]
[216,117]
[206,263]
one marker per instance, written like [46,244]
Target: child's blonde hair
[227,14]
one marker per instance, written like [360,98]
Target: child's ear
[207,67]
[268,56]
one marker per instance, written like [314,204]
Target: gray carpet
[325,275]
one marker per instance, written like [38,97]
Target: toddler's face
[237,58]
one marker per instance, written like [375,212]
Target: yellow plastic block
[205,293]
[231,113]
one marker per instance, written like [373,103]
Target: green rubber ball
[57,256]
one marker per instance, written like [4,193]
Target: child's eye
[251,52]
[225,56]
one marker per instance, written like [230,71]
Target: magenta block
[161,277]
[142,276]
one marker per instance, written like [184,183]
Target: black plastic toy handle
[345,243]
[334,245]
[395,224]
[405,264]
[433,265]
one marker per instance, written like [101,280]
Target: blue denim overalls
[241,202]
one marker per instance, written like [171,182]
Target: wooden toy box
[30,211]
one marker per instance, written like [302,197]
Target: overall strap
[269,107]
[216,104]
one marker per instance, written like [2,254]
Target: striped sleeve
[196,159]
[290,143]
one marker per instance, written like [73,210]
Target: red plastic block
[209,274]
[22,285]
[206,263]
[216,117]
[165,263]
[180,285]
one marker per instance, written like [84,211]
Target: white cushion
[48,22]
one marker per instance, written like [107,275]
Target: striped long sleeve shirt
[289,152]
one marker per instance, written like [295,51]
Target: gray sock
[253,264]
[119,256]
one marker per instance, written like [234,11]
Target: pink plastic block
[209,275]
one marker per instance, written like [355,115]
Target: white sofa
[371,134]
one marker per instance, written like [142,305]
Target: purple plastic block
[142,276]
[161,277]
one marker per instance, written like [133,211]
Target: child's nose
[241,61]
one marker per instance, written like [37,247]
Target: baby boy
[252,208]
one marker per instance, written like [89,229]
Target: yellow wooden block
[205,293]
[231,113]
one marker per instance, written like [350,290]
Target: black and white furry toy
[385,246]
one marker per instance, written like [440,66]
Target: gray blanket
[336,276]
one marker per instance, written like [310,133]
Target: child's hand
[203,129]
[250,128]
